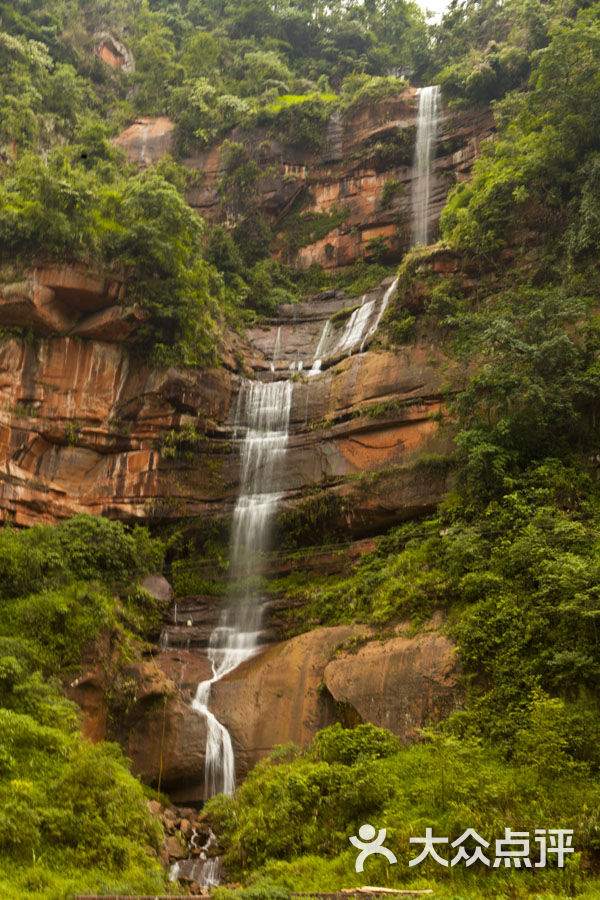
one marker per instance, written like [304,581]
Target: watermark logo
[515,849]
[368,844]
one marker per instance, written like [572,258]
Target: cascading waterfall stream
[427,125]
[262,426]
[320,350]
[276,350]
[263,414]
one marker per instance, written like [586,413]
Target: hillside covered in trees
[495,544]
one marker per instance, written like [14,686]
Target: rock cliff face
[87,426]
[361,153]
[84,423]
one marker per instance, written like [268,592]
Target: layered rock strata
[87,426]
[362,152]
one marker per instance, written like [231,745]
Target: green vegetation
[68,195]
[290,821]
[510,560]
[299,120]
[360,89]
[72,817]
[390,189]
[539,174]
[76,204]
[318,517]
[302,228]
[485,48]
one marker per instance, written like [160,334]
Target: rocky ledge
[287,693]
[87,426]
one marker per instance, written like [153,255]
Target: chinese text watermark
[516,849]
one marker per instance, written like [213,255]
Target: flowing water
[262,427]
[320,350]
[382,309]
[276,350]
[427,126]
[204,869]
[357,330]
[262,417]
[355,326]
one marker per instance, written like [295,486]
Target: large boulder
[277,698]
[287,693]
[402,684]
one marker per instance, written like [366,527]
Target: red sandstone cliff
[86,425]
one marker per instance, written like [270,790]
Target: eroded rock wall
[362,151]
[87,426]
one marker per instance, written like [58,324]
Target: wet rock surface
[190,850]
[288,692]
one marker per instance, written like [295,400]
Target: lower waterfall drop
[263,415]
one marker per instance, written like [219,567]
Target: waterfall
[382,309]
[427,124]
[356,325]
[318,357]
[262,416]
[204,869]
[276,350]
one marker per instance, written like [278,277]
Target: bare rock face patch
[401,684]
[289,692]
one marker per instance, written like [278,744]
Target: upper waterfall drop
[427,126]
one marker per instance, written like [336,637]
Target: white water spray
[319,352]
[382,309]
[276,350]
[355,326]
[263,413]
[427,126]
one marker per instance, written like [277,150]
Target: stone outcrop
[114,52]
[277,697]
[400,684]
[65,299]
[291,690]
[147,140]
[168,738]
[81,424]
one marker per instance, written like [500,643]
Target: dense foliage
[541,172]
[71,816]
[290,821]
[67,194]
